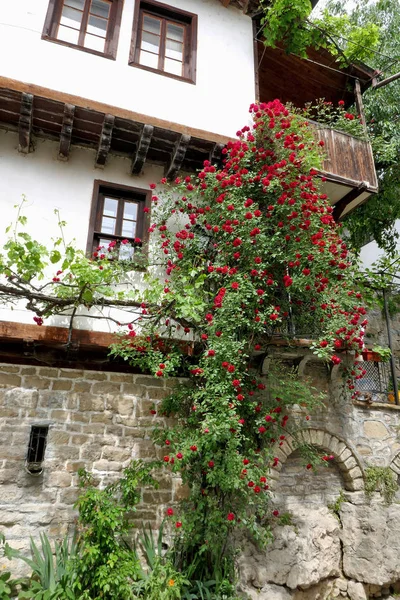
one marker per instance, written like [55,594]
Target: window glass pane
[130,211]
[71,17]
[100,8]
[97,26]
[110,207]
[149,60]
[173,66]
[175,32]
[108,225]
[174,50]
[152,25]
[68,35]
[94,42]
[150,42]
[126,251]
[103,244]
[80,4]
[128,229]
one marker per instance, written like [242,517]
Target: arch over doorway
[345,458]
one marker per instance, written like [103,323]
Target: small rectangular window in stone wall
[375,386]
[36,449]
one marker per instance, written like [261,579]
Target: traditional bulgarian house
[99,98]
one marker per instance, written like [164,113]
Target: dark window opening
[164,40]
[36,449]
[90,25]
[118,216]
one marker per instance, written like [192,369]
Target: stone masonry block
[345,454]
[306,436]
[106,388]
[10,380]
[95,376]
[28,371]
[9,369]
[355,472]
[82,386]
[350,463]
[61,384]
[357,484]
[327,441]
[149,381]
[88,402]
[337,446]
[36,382]
[71,373]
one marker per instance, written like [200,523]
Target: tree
[236,255]
[378,216]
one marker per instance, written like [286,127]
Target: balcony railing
[375,386]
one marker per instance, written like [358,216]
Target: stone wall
[101,421]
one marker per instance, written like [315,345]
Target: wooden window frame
[52,22]
[105,188]
[167,13]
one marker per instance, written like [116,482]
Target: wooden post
[390,343]
[25,123]
[177,156]
[360,104]
[66,132]
[105,141]
[142,148]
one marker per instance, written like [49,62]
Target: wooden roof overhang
[32,110]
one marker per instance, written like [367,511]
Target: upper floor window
[164,40]
[91,25]
[118,216]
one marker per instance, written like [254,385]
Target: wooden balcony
[348,168]
[349,165]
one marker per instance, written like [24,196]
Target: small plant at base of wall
[382,480]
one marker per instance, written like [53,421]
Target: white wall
[218,102]
[48,184]
[370,253]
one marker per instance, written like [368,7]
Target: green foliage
[377,217]
[334,117]
[52,575]
[106,567]
[336,506]
[384,353]
[236,257]
[383,480]
[285,519]
[288,22]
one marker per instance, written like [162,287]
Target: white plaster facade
[218,102]
[49,184]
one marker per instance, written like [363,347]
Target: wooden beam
[117,111]
[105,141]
[338,179]
[140,155]
[216,154]
[66,132]
[18,332]
[25,123]
[343,203]
[177,157]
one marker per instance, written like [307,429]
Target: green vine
[382,480]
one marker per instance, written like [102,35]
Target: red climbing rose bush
[236,255]
[246,252]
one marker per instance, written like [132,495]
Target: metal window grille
[36,449]
[375,384]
